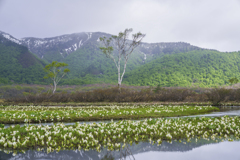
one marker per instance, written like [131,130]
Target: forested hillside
[199,68]
[89,65]
[164,64]
[18,65]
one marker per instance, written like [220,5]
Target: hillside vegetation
[18,65]
[89,65]
[202,68]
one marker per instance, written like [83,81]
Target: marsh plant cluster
[40,114]
[116,135]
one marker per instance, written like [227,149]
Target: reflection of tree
[168,147]
[122,154]
[142,147]
[127,153]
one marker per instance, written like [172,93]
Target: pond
[201,149]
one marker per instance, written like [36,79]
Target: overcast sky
[211,24]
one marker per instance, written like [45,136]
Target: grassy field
[40,114]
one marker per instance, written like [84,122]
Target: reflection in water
[233,111]
[140,151]
[220,151]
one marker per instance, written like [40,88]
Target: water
[219,151]
[230,111]
[203,149]
[233,111]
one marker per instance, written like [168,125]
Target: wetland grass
[40,114]
[116,135]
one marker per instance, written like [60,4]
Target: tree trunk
[54,87]
[119,87]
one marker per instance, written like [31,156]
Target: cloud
[208,24]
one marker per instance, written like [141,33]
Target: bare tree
[124,49]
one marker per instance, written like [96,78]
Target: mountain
[86,61]
[164,64]
[62,46]
[202,68]
[58,48]
[17,64]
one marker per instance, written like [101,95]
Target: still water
[229,111]
[200,150]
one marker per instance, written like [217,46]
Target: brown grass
[94,93]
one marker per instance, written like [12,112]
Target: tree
[124,49]
[3,81]
[55,72]
[233,80]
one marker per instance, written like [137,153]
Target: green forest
[18,65]
[203,68]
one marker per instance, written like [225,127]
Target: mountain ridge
[146,65]
[68,43]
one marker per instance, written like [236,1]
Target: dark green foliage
[18,65]
[1,125]
[233,80]
[203,68]
[3,81]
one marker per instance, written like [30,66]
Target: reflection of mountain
[94,155]
[62,155]
[164,147]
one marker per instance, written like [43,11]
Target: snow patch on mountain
[68,49]
[61,54]
[80,43]
[75,46]
[89,35]
[7,36]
